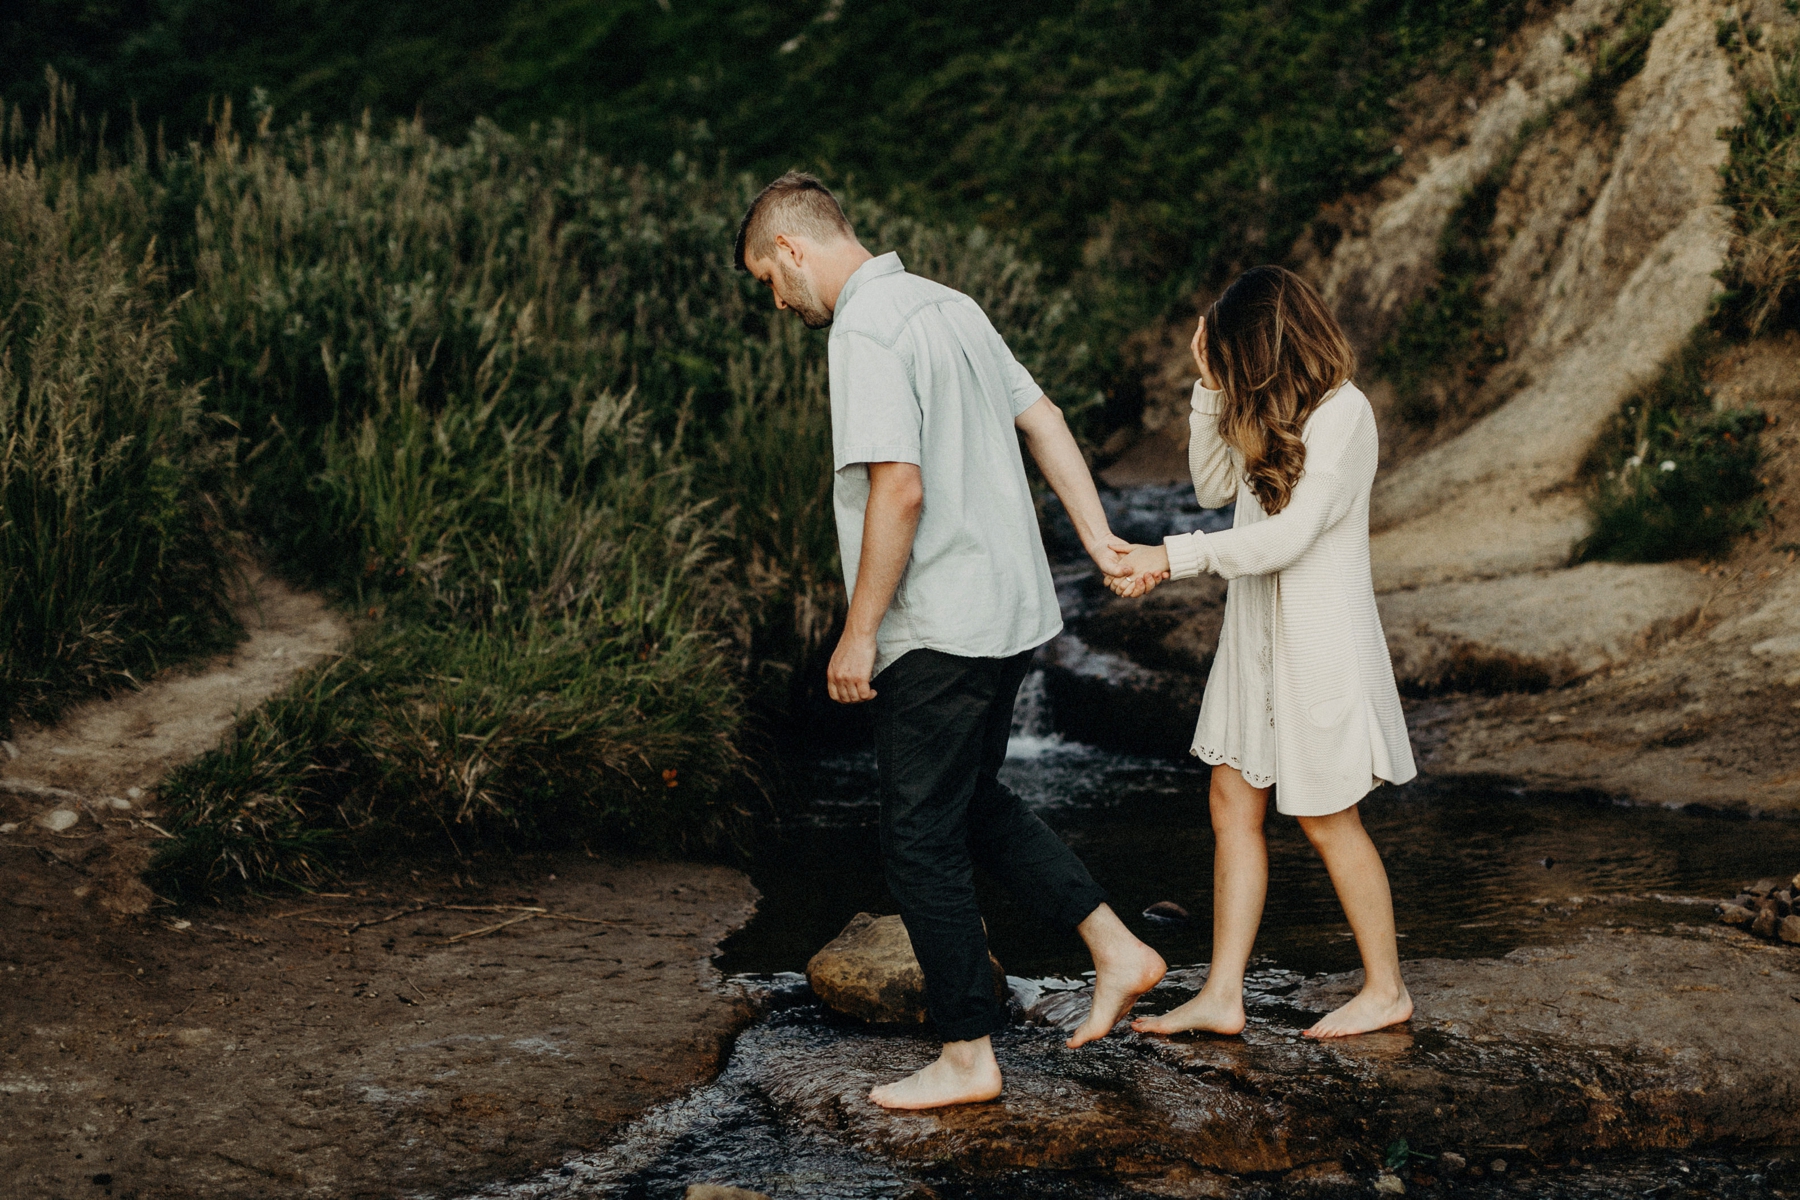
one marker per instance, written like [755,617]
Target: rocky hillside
[1573,195]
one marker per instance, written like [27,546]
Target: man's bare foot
[1212,1014]
[965,1073]
[1366,1013]
[1119,980]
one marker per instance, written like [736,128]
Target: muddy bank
[283,1050]
[342,1045]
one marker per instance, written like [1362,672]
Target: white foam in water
[1032,736]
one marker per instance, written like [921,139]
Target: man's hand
[1109,554]
[852,663]
[1145,567]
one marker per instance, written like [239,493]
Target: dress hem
[1218,758]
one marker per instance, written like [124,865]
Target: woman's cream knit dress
[1302,691]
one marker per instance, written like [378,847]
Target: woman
[1301,697]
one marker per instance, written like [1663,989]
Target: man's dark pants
[941,724]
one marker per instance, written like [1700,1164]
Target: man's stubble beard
[797,294]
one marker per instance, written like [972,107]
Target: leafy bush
[111,557]
[1673,478]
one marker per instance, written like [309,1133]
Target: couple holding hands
[950,594]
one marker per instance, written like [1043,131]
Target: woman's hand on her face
[1198,347]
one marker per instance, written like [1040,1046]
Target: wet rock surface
[1517,1077]
[1619,1042]
[869,972]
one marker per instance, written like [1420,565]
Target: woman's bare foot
[1120,977]
[1206,1012]
[1366,1013]
[965,1073]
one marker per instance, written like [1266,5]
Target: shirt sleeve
[1210,460]
[880,418]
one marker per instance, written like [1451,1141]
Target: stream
[1476,872]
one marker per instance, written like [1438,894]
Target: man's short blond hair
[797,203]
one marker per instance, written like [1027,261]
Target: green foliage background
[1138,148]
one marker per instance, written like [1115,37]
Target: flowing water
[1476,872]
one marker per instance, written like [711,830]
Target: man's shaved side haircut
[795,203]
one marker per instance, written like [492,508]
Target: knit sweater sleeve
[1326,491]
[1209,459]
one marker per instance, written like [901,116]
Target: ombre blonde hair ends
[1277,353]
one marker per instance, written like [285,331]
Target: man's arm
[896,498]
[1048,438]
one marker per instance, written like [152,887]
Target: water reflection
[1467,865]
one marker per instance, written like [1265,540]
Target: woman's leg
[1240,884]
[1362,888]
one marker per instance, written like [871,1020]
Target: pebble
[9,826]
[1390,1185]
[134,793]
[1451,1161]
[1789,930]
[1167,911]
[58,819]
[119,802]
[1498,1166]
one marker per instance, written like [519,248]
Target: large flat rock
[1544,629]
[1618,1041]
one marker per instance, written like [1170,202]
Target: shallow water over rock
[1576,1002]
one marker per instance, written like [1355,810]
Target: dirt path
[344,1045]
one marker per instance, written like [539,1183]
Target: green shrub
[111,556]
[1673,478]
[1762,188]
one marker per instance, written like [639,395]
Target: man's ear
[795,251]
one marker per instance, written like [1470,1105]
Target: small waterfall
[1032,735]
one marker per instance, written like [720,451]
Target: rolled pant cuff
[970,1028]
[1073,909]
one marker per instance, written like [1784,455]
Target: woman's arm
[1209,459]
[1320,500]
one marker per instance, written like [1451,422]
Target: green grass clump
[1762,188]
[112,561]
[1673,478]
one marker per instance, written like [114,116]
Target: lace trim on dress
[1207,754]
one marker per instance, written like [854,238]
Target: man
[950,592]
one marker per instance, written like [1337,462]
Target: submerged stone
[869,971]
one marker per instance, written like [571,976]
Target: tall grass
[112,559]
[571,473]
[1762,187]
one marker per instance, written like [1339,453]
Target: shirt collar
[881,264]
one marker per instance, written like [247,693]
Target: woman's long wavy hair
[1276,352]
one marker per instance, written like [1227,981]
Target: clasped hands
[1140,568]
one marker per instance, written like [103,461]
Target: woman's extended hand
[1147,566]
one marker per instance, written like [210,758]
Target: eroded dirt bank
[344,1045]
[280,1050]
